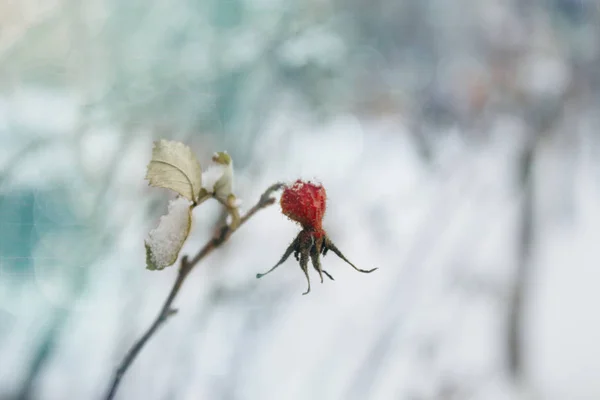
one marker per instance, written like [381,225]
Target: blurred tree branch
[185,267]
[523,273]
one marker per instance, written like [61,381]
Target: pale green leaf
[174,166]
[218,179]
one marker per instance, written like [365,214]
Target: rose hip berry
[305,203]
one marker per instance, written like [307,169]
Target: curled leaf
[164,243]
[217,182]
[218,179]
[175,167]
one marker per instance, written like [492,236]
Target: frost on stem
[170,224]
[164,243]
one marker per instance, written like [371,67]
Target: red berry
[304,202]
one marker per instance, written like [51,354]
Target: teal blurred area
[458,143]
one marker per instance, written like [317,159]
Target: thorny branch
[185,267]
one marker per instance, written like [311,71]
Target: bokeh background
[459,145]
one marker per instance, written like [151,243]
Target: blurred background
[459,146]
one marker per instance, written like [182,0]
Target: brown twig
[185,268]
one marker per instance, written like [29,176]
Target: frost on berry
[305,203]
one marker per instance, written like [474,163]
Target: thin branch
[522,284]
[185,268]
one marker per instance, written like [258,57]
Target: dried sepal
[293,247]
[330,246]
[310,245]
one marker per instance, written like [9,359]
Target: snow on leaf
[174,166]
[164,243]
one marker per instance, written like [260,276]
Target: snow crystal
[212,175]
[166,240]
[218,179]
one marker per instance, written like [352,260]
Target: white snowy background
[459,146]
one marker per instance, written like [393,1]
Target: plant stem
[185,268]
